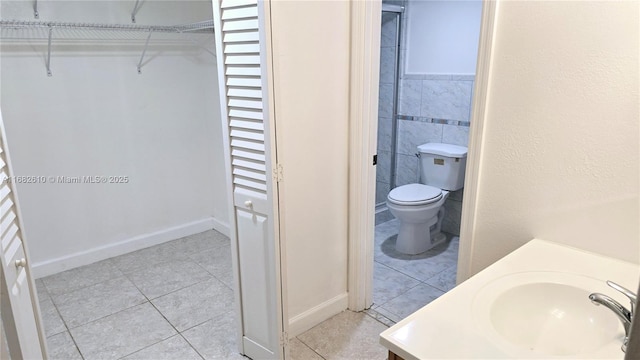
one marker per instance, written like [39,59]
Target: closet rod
[198,27]
[203,26]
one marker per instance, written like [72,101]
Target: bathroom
[433,72]
[519,190]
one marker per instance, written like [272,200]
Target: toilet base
[411,236]
[411,247]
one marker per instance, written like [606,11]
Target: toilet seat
[414,194]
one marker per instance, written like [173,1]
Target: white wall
[97,116]
[311,81]
[442,36]
[559,156]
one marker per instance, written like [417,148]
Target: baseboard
[54,266]
[221,227]
[314,316]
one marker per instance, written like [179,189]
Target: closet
[97,115]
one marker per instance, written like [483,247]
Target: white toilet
[419,206]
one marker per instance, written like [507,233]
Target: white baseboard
[221,227]
[54,266]
[314,316]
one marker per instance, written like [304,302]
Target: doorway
[425,96]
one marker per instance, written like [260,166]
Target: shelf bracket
[36,14]
[202,47]
[49,52]
[146,44]
[136,7]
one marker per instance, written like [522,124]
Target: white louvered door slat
[241,48]
[257,156]
[242,60]
[238,70]
[246,82]
[240,13]
[245,124]
[249,166]
[247,114]
[20,310]
[241,37]
[242,25]
[243,103]
[235,3]
[248,135]
[247,145]
[255,165]
[248,93]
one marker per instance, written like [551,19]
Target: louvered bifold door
[19,307]
[243,91]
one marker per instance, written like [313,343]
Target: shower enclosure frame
[398,11]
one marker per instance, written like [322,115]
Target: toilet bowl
[420,211]
[419,207]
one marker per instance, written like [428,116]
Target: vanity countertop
[450,327]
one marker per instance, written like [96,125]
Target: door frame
[365,55]
[363,130]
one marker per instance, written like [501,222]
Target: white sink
[546,313]
[531,304]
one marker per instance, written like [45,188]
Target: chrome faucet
[625,315]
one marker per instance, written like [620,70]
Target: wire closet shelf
[50,30]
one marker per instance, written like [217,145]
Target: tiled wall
[432,109]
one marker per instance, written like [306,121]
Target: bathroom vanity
[533,303]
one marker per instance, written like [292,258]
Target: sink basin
[546,313]
[531,304]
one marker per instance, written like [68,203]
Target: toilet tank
[442,165]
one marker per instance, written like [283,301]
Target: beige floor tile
[94,302]
[168,277]
[215,339]
[217,262]
[43,294]
[299,351]
[389,283]
[81,277]
[409,302]
[148,257]
[61,347]
[195,304]
[201,242]
[348,335]
[52,321]
[445,280]
[122,333]
[173,348]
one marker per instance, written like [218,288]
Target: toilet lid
[414,194]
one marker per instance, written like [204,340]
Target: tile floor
[403,283]
[171,301]
[174,301]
